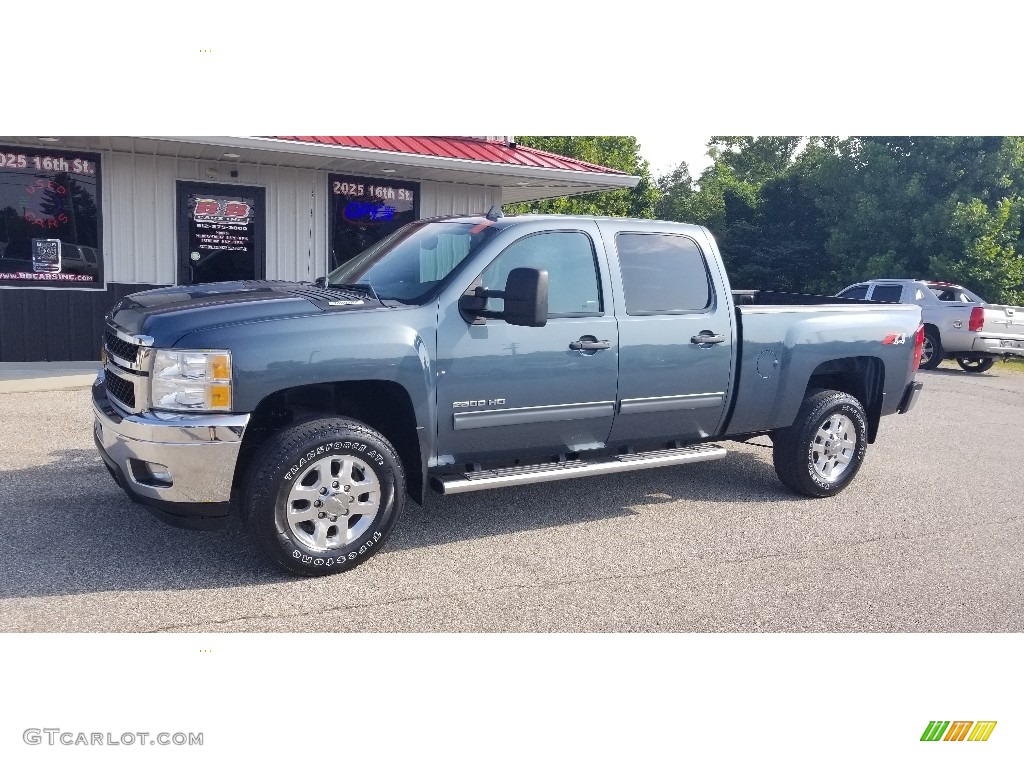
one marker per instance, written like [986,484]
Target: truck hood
[167,314]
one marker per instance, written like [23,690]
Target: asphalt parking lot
[929,538]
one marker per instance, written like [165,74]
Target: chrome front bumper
[199,453]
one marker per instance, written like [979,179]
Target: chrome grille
[120,389]
[120,348]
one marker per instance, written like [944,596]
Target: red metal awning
[462,148]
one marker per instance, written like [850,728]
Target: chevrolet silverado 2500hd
[475,352]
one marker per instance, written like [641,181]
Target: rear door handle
[707,338]
[589,342]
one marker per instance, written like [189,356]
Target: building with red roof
[85,220]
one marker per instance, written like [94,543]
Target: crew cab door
[508,391]
[675,335]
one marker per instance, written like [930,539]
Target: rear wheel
[931,351]
[975,365]
[822,451]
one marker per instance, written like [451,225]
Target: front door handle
[589,342]
[706,337]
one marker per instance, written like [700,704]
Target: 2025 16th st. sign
[49,219]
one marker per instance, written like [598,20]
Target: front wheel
[975,365]
[323,496]
[821,452]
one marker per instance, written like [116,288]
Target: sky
[663,151]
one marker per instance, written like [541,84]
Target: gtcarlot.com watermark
[55,737]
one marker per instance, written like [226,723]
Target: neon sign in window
[363,211]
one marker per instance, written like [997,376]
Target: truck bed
[781,298]
[784,344]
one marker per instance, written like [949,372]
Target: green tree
[742,165]
[773,243]
[621,153]
[754,159]
[674,192]
[940,207]
[761,212]
[813,214]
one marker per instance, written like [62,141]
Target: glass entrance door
[221,233]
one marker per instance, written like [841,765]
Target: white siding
[441,199]
[140,225]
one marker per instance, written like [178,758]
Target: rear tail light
[918,345]
[977,321]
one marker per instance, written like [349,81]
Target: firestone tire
[931,352]
[323,496]
[975,365]
[821,453]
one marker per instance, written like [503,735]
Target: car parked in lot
[958,324]
[80,260]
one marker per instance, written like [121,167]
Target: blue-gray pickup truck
[475,352]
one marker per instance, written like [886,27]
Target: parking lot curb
[17,378]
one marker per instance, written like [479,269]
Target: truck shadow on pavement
[67,529]
[959,373]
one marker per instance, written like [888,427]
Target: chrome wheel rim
[833,447]
[927,350]
[332,503]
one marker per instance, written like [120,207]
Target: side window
[952,294]
[890,293]
[573,285]
[662,273]
[857,292]
[918,295]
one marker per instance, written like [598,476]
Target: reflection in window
[568,257]
[410,263]
[662,273]
[49,218]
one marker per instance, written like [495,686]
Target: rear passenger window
[887,293]
[573,287]
[662,273]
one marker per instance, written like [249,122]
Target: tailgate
[1004,322]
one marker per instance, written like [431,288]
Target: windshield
[408,264]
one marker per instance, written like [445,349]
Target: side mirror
[526,297]
[320,282]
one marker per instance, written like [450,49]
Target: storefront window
[50,219]
[363,211]
[221,232]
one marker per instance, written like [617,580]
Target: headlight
[192,380]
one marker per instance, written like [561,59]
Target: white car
[958,324]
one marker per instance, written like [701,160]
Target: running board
[483,479]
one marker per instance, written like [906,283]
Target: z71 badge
[895,338]
[477,403]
